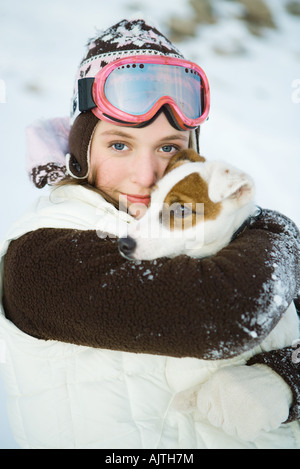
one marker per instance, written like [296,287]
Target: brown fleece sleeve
[72,286]
[286,363]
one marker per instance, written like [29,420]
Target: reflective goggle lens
[135,88]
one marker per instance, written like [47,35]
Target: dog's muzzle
[127,247]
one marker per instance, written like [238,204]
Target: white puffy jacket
[67,396]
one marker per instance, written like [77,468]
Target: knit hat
[124,39]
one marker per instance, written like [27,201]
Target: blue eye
[168,148]
[119,146]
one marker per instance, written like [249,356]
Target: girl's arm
[72,286]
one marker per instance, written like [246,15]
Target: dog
[196,209]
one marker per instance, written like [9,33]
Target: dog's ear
[226,182]
[182,157]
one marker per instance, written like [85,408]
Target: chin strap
[74,169]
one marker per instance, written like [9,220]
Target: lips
[138,199]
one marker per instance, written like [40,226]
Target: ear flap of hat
[77,161]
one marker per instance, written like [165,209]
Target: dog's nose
[126,246]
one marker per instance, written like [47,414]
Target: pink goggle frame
[183,87]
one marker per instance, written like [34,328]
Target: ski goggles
[130,91]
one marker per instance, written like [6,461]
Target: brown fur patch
[192,191]
[182,157]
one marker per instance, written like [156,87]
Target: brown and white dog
[195,209]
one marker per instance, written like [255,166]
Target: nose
[127,246]
[145,169]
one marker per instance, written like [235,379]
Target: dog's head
[195,209]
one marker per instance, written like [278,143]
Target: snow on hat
[124,39]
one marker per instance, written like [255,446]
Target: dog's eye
[177,216]
[181,210]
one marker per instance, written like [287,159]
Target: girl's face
[126,162]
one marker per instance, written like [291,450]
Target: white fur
[226,184]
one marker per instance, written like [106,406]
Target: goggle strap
[197,135]
[85,95]
[170,116]
[165,108]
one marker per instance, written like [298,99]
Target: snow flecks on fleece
[276,293]
[280,293]
[144,270]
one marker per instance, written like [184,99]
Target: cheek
[100,169]
[161,168]
[107,173]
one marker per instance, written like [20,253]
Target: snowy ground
[255,112]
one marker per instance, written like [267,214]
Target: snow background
[255,90]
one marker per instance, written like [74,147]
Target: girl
[91,338]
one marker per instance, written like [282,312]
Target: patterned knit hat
[124,39]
